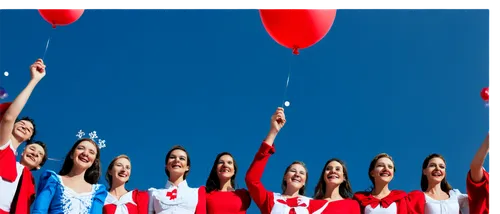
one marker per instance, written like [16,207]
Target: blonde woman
[119,199]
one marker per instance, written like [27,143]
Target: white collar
[183,184]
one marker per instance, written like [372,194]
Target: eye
[302,172]
[183,158]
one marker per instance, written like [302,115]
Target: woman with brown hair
[292,199]
[437,195]
[333,192]
[75,188]
[177,196]
[119,199]
[222,195]
[381,199]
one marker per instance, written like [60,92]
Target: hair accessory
[93,135]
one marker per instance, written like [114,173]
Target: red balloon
[485,94]
[61,17]
[297,29]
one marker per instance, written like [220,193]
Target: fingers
[39,65]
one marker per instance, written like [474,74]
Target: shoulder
[49,176]
[360,195]
[398,192]
[100,192]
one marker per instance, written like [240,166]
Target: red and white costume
[133,202]
[267,201]
[180,199]
[230,202]
[345,206]
[420,202]
[17,184]
[394,203]
[479,194]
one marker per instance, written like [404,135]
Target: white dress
[180,199]
[457,203]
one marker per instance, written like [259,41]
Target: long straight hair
[93,173]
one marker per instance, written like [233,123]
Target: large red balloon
[61,17]
[297,29]
[485,94]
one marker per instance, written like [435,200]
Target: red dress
[397,198]
[479,194]
[20,183]
[345,206]
[133,202]
[232,202]
[267,201]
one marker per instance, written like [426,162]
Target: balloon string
[54,159]
[287,81]
[46,47]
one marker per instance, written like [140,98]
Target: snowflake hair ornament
[93,135]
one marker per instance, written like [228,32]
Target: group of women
[75,188]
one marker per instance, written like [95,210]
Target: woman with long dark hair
[75,188]
[177,196]
[437,195]
[293,185]
[119,199]
[222,195]
[333,192]
[381,199]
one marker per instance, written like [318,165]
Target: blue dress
[55,198]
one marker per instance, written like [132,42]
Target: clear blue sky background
[404,82]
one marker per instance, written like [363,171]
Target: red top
[479,194]
[267,201]
[236,202]
[346,206]
[398,196]
[134,202]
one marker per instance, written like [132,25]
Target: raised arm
[476,166]
[15,108]
[257,191]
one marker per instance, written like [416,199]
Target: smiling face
[295,177]
[383,172]
[23,130]
[334,174]
[32,156]
[435,171]
[84,155]
[177,163]
[120,171]
[225,167]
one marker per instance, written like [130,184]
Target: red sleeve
[355,208]
[201,207]
[416,202]
[245,198]
[141,198]
[262,198]
[478,193]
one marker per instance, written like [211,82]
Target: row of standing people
[75,188]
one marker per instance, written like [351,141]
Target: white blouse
[8,189]
[282,207]
[121,203]
[457,203]
[173,199]
[391,209]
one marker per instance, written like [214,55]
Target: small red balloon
[485,94]
[61,16]
[297,29]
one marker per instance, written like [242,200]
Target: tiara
[93,135]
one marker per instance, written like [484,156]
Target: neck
[76,173]
[15,142]
[434,188]
[22,162]
[332,192]
[381,190]
[176,179]
[226,186]
[291,192]
[118,190]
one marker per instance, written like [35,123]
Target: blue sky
[404,82]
